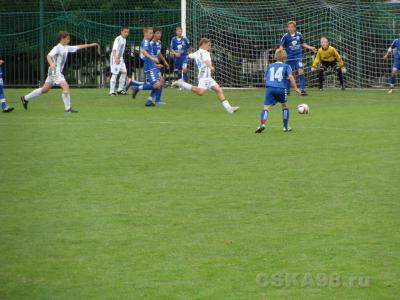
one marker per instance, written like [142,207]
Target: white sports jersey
[200,57]
[119,47]
[59,55]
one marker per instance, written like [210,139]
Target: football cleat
[390,91]
[343,88]
[233,109]
[71,110]
[260,129]
[112,94]
[122,92]
[176,83]
[24,102]
[8,109]
[150,104]
[304,93]
[287,129]
[134,93]
[161,102]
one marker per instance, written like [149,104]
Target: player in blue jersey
[149,66]
[277,78]
[395,48]
[4,107]
[293,43]
[180,48]
[156,47]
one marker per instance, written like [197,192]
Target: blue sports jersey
[276,75]
[180,45]
[148,63]
[155,48]
[292,45]
[396,49]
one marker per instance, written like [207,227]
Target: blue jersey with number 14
[276,75]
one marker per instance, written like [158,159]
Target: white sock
[186,86]
[113,81]
[122,81]
[33,94]
[226,105]
[67,100]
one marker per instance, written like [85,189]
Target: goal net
[245,35]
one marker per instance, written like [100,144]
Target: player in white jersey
[202,59]
[56,59]
[117,63]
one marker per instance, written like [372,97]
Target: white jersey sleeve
[72,49]
[54,51]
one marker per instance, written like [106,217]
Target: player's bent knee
[157,85]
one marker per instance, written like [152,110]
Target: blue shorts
[180,63]
[153,75]
[295,63]
[396,64]
[274,94]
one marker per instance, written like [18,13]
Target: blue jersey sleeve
[146,45]
[187,42]
[289,70]
[172,46]
[283,40]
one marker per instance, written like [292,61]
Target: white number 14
[275,75]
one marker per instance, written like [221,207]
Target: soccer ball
[303,108]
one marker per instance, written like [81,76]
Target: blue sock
[3,104]
[264,117]
[135,83]
[185,76]
[285,117]
[146,87]
[158,94]
[393,81]
[153,94]
[302,79]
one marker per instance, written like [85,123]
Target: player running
[395,48]
[56,59]
[4,107]
[292,42]
[156,47]
[328,57]
[202,59]
[180,47]
[117,63]
[150,68]
[277,78]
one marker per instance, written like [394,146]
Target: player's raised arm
[83,46]
[313,49]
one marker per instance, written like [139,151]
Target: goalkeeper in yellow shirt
[328,57]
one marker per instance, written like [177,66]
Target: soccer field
[184,201]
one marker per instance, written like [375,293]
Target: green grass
[184,201]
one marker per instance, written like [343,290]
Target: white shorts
[116,69]
[206,83]
[55,78]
